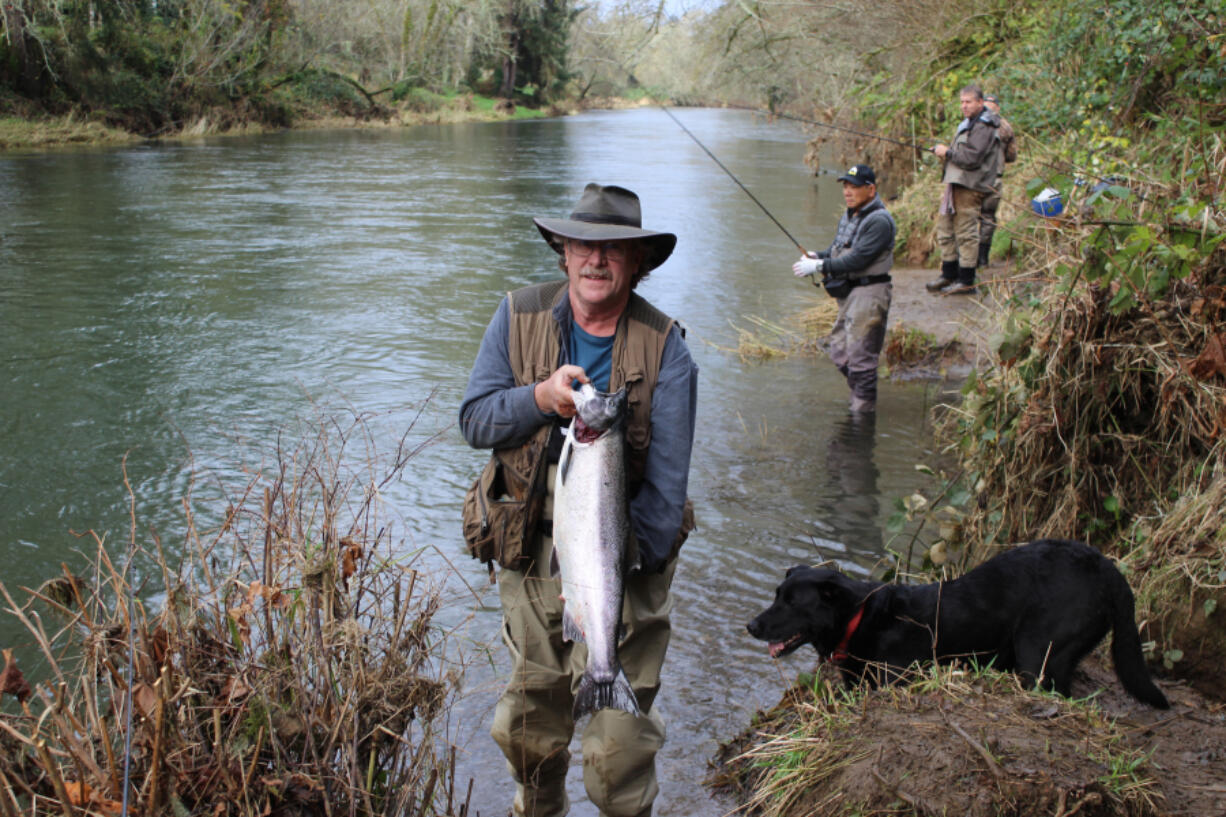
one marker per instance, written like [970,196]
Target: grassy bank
[17,133]
[949,741]
[41,131]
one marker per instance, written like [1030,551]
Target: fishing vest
[845,237]
[535,344]
[982,177]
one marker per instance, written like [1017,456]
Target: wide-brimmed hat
[608,213]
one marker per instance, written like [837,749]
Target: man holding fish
[586,609]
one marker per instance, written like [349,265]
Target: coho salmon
[591,529]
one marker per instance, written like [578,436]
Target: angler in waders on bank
[855,270]
[972,165]
[589,326]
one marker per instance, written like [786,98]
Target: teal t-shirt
[594,354]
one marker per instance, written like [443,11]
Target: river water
[174,303]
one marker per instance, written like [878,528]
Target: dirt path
[959,323]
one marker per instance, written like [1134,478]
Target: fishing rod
[832,126]
[803,251]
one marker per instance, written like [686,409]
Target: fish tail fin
[595,695]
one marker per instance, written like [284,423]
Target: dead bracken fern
[286,662]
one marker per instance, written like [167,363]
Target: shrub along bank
[1102,414]
[284,659]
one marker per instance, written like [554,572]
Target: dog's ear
[833,589]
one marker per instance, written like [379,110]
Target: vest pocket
[502,509]
[638,428]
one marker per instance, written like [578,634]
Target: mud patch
[955,742]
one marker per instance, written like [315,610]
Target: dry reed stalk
[52,770]
[8,800]
[234,718]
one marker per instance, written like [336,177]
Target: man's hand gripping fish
[591,529]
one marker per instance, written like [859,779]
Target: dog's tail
[1126,653]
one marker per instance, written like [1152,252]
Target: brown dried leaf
[160,646]
[271,594]
[235,688]
[349,559]
[146,699]
[82,794]
[1210,362]
[12,681]
[239,616]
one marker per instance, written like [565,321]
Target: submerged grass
[287,662]
[799,334]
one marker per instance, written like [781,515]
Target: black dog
[1037,609]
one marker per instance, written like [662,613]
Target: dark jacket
[863,244]
[974,158]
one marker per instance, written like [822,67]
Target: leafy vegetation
[158,67]
[1101,416]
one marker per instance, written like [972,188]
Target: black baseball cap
[859,175]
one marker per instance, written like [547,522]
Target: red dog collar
[840,652]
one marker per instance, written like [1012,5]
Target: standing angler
[970,171]
[590,531]
[1007,145]
[593,328]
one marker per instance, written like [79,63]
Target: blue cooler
[1047,203]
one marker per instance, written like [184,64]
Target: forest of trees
[151,65]
[154,65]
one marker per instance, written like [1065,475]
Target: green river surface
[182,304]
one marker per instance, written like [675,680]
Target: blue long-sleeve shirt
[495,413]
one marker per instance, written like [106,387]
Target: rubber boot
[985,249]
[949,274]
[965,285]
[863,391]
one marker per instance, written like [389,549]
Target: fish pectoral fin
[555,569]
[571,631]
[564,461]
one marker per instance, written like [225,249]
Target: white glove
[807,265]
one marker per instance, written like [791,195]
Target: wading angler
[589,652]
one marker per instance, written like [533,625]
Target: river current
[175,304]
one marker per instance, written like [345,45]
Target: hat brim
[659,245]
[854,180]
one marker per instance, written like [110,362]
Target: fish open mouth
[581,432]
[778,648]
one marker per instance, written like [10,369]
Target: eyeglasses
[613,250]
